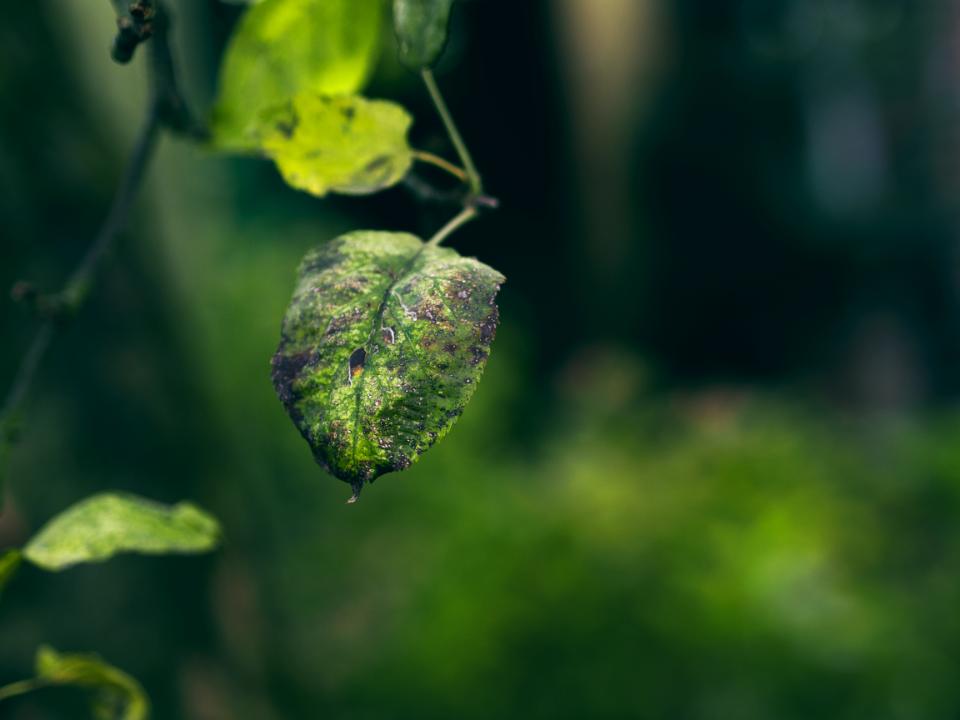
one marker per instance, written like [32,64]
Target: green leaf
[347,145]
[285,47]
[120,697]
[382,347]
[422,27]
[97,528]
[9,563]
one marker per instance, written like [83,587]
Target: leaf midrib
[378,321]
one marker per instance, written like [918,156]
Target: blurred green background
[712,470]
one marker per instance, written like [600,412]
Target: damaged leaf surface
[382,346]
[285,47]
[347,145]
[422,27]
[99,527]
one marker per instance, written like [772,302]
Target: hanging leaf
[347,145]
[97,528]
[120,696]
[422,27]
[9,563]
[285,47]
[382,346]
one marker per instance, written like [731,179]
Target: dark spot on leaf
[286,369]
[357,361]
[377,163]
[287,128]
[479,355]
[488,328]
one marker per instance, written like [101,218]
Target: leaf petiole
[476,184]
[439,162]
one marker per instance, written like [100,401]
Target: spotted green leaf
[348,145]
[285,47]
[382,346]
[422,27]
[119,696]
[9,563]
[97,528]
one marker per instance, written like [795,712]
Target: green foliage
[422,27]
[119,696]
[9,564]
[101,526]
[347,145]
[382,347]
[285,47]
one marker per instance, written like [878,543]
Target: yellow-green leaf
[284,47]
[119,696]
[97,528]
[347,145]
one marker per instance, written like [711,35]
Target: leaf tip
[357,487]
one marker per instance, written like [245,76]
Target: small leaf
[382,346]
[120,695]
[347,145]
[422,27]
[97,528]
[285,47]
[9,563]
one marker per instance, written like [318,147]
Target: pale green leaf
[348,145]
[285,47]
[382,346]
[422,27]
[97,528]
[9,562]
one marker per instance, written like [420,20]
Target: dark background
[712,470]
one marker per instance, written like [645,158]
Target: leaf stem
[476,184]
[465,216]
[441,163]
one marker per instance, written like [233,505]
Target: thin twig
[465,216]
[78,286]
[441,163]
[28,366]
[476,185]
